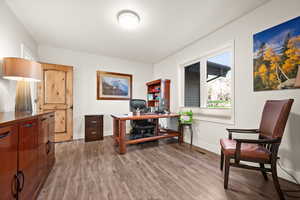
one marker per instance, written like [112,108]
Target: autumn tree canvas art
[277,56]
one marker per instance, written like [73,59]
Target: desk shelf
[161,135]
[165,133]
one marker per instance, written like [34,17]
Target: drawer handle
[94,122]
[5,134]
[43,119]
[51,116]
[48,147]
[20,188]
[28,125]
[93,132]
[15,185]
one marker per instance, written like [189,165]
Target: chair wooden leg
[275,180]
[226,174]
[222,161]
[262,166]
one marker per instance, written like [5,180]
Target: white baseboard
[108,133]
[209,147]
[78,137]
[284,175]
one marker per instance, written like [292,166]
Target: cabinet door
[28,159]
[51,138]
[9,159]
[42,148]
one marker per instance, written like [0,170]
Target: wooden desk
[119,129]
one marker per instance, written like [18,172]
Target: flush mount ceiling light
[128,19]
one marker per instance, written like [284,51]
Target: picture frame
[114,86]
[276,58]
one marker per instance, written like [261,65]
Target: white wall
[12,35]
[248,104]
[85,67]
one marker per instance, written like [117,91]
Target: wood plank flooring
[164,171]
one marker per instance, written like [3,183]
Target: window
[207,85]
[218,81]
[192,85]
[26,53]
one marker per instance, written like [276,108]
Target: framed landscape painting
[277,57]
[114,86]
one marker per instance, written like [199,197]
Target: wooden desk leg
[156,131]
[115,130]
[122,134]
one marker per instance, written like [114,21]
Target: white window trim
[218,115]
[25,50]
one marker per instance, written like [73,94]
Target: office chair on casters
[140,128]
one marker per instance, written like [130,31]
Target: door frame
[69,101]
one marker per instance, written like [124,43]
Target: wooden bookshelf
[157,90]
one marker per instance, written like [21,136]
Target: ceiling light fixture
[128,19]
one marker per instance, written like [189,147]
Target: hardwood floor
[154,172]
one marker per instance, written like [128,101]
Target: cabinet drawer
[93,121]
[93,133]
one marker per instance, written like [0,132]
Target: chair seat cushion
[248,151]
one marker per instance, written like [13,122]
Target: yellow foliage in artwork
[287,66]
[273,77]
[262,69]
[271,56]
[273,66]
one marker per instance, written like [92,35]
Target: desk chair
[263,150]
[140,128]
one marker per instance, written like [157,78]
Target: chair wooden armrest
[259,141]
[247,131]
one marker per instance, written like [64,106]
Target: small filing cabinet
[93,127]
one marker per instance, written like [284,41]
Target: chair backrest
[274,118]
[140,104]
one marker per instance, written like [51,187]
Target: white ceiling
[91,25]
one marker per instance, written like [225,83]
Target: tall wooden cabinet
[26,153]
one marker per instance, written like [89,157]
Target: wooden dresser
[93,127]
[27,149]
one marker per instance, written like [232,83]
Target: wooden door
[28,159]
[9,162]
[56,94]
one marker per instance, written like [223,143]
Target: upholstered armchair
[263,150]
